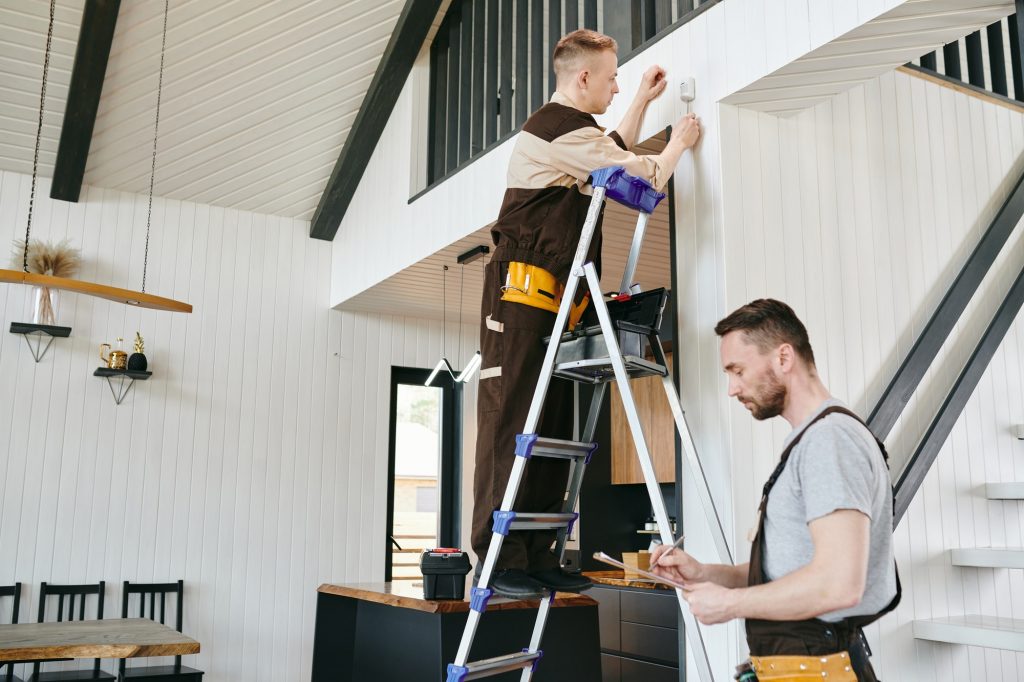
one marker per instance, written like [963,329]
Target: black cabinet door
[608,615]
[611,668]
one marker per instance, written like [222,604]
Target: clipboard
[602,557]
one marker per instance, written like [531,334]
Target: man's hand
[710,603]
[652,84]
[687,130]
[676,564]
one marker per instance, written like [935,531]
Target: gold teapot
[115,358]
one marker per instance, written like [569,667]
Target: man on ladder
[536,234]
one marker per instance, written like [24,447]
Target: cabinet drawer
[648,641]
[607,615]
[650,608]
[641,671]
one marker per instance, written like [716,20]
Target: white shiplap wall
[859,212]
[726,48]
[252,464]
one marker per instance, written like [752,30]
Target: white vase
[45,303]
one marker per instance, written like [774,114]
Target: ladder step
[535,446]
[488,667]
[504,521]
[601,370]
[536,521]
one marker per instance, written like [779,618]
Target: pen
[675,545]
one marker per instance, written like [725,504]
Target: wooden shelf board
[77,286]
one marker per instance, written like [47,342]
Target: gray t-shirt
[836,465]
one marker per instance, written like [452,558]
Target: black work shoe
[562,581]
[514,583]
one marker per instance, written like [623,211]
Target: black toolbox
[444,572]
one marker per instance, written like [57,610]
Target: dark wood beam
[94,39]
[396,63]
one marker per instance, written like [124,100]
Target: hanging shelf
[126,296]
[120,377]
[38,331]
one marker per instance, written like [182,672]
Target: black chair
[11,591]
[157,593]
[70,594]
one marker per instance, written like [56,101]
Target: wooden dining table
[109,638]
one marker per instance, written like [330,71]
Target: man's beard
[769,399]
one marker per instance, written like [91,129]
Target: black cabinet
[640,636]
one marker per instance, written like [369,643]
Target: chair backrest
[156,595]
[11,591]
[70,595]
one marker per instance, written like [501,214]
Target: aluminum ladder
[596,358]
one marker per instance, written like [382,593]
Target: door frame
[449,473]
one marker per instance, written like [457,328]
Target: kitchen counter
[618,579]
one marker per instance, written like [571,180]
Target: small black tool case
[444,573]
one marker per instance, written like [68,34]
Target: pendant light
[477,252]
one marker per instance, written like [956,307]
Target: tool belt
[536,287]
[801,668]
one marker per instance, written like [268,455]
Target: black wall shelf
[124,378]
[38,332]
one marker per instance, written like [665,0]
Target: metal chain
[156,129]
[39,133]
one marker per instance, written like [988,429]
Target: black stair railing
[490,63]
[941,425]
[986,69]
[986,60]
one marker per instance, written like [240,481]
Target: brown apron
[811,637]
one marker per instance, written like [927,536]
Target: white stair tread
[986,631]
[988,557]
[1005,491]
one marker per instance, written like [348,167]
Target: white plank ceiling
[899,36]
[426,290]
[257,102]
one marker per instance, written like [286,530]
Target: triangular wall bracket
[121,380]
[37,333]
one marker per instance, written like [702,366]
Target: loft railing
[490,63]
[989,59]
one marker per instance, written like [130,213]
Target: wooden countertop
[618,579]
[409,595]
[112,638]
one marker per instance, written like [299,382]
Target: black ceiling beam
[914,474]
[91,55]
[897,394]
[392,72]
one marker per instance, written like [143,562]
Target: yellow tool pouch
[795,668]
[536,287]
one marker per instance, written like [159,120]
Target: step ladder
[614,350]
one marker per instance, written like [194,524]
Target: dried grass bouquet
[46,258]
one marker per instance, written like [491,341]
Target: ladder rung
[600,370]
[561,449]
[537,521]
[489,667]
